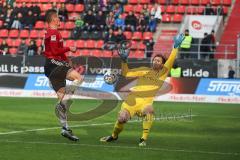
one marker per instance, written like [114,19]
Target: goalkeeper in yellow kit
[139,101]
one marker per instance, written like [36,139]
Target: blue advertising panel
[41,82]
[224,87]
[37,82]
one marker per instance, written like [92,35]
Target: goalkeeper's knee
[124,116]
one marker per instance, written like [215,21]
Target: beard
[157,67]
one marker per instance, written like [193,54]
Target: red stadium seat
[141,46]
[65,34]
[70,7]
[147,35]
[225,10]
[204,2]
[33,34]
[144,1]
[124,15]
[1,23]
[41,34]
[3,33]
[28,41]
[163,2]
[176,2]
[128,8]
[1,40]
[177,18]
[16,43]
[140,54]
[191,10]
[43,1]
[13,51]
[97,53]
[195,2]
[216,2]
[137,36]
[19,5]
[39,42]
[28,5]
[69,25]
[90,44]
[80,44]
[61,26]
[79,8]
[181,9]
[184,2]
[138,8]
[132,54]
[162,8]
[24,34]
[133,1]
[13,33]
[166,18]
[134,45]
[85,52]
[200,10]
[9,41]
[46,6]
[99,44]
[40,25]
[128,34]
[227,2]
[77,53]
[106,53]
[170,9]
[150,6]
[70,43]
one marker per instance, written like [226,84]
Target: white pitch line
[126,147]
[52,128]
[87,125]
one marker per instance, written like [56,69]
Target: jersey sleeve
[55,46]
[168,65]
[136,72]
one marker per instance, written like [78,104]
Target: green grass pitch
[213,133]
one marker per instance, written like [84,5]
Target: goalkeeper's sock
[147,124]
[118,127]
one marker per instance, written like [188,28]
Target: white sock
[64,124]
[70,89]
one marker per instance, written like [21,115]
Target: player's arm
[177,42]
[171,59]
[136,72]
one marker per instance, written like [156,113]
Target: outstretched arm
[177,42]
[171,58]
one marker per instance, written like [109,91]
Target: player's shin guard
[61,114]
[147,124]
[118,127]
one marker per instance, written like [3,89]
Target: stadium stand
[171,13]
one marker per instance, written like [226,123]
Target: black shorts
[56,71]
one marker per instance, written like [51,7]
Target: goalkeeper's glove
[178,40]
[123,53]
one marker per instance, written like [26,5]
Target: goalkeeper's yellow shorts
[135,105]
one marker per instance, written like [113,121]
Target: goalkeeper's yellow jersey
[149,81]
